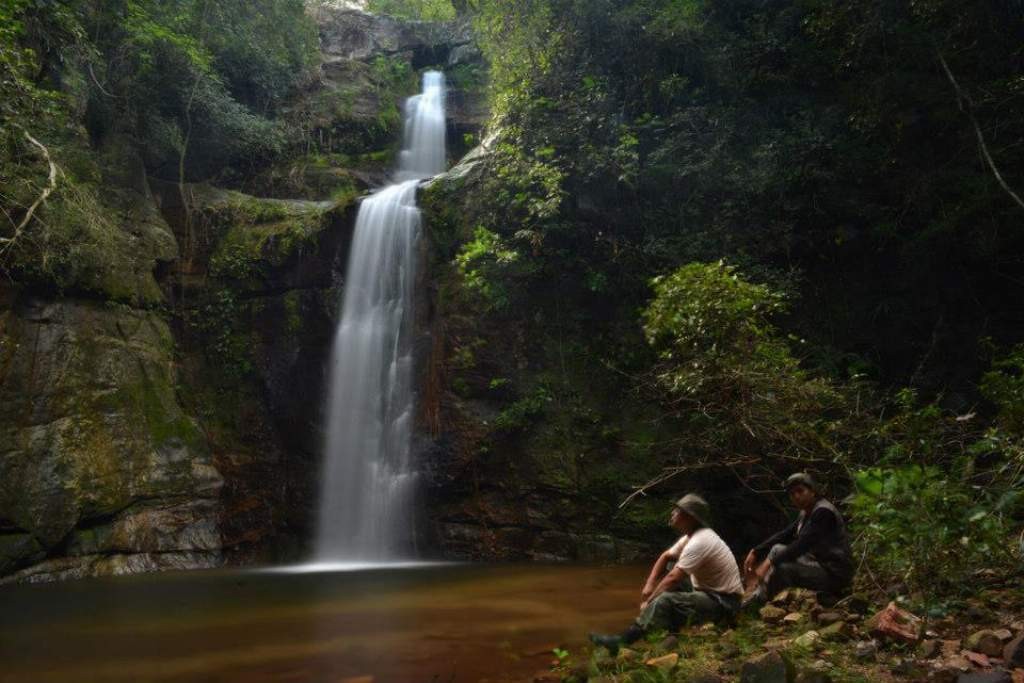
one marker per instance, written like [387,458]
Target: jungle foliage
[813,211]
[89,89]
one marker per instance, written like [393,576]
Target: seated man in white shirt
[701,556]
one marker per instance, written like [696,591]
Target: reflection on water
[402,624]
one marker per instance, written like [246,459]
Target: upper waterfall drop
[368,481]
[423,154]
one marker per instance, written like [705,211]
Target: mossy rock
[97,233]
[89,419]
[254,244]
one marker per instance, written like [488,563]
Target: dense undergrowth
[791,229]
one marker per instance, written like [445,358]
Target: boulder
[838,631]
[866,649]
[976,658]
[664,663]
[986,642]
[772,614]
[771,667]
[826,618]
[893,623]
[98,459]
[813,677]
[807,640]
[793,618]
[1013,653]
[669,643]
[985,677]
[929,649]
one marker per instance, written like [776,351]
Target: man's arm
[819,525]
[785,536]
[760,550]
[671,581]
[656,571]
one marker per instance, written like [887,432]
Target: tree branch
[7,242]
[962,98]
[670,472]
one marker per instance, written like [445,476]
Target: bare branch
[671,472]
[964,98]
[47,191]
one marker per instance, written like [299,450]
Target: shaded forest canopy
[792,228]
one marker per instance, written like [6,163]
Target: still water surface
[444,624]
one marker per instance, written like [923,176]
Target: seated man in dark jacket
[812,552]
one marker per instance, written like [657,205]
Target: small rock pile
[796,640]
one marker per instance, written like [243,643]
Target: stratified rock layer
[97,457]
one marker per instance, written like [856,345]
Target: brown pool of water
[438,624]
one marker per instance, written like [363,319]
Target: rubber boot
[612,643]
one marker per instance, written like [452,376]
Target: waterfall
[368,482]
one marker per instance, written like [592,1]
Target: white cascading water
[368,483]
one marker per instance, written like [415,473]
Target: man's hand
[762,571]
[748,563]
[646,593]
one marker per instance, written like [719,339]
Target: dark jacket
[821,535]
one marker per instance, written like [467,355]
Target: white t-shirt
[708,561]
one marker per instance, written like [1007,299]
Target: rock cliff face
[163,412]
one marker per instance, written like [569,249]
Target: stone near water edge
[976,658]
[628,655]
[828,618]
[950,648]
[943,675]
[729,650]
[793,618]
[893,623]
[985,642]
[781,598]
[1013,652]
[813,677]
[820,666]
[956,662]
[908,668]
[705,678]
[1004,634]
[771,614]
[777,643]
[865,649]
[771,667]
[664,663]
[807,640]
[838,631]
[985,677]
[669,643]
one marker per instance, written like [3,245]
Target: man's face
[801,496]
[680,521]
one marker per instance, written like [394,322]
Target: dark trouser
[804,572]
[674,609]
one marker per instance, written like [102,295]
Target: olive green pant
[674,609]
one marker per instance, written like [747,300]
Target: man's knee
[773,554]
